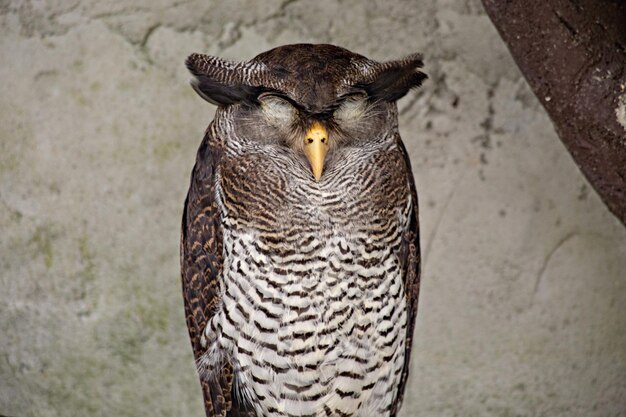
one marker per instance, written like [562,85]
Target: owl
[300,248]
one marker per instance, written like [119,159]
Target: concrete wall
[524,283]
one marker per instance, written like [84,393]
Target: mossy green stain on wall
[42,239]
[88,273]
[166,149]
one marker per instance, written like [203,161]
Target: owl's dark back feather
[201,267]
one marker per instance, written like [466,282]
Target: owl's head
[309,98]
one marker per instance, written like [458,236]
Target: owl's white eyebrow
[282,95]
[326,112]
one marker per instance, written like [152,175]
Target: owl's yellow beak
[315,147]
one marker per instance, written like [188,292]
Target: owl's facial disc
[277,111]
[316,144]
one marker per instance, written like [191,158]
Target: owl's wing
[411,260]
[201,270]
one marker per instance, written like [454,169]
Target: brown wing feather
[410,254]
[201,270]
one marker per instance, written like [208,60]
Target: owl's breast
[274,193]
[313,308]
[314,322]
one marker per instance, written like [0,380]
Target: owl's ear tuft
[395,79]
[223,94]
[220,82]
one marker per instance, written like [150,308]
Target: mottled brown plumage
[250,180]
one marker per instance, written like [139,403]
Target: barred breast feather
[300,296]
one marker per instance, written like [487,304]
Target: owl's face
[349,119]
[311,99]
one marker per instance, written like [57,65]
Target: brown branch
[573,55]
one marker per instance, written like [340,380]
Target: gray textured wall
[524,283]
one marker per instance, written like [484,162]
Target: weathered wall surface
[524,283]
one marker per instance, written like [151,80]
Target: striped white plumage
[320,330]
